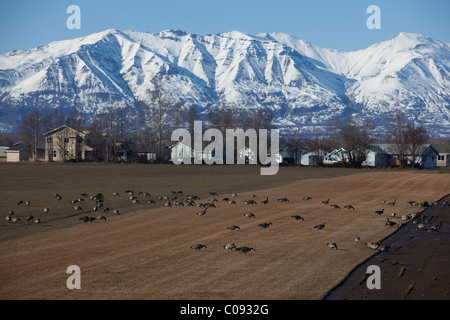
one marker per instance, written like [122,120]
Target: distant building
[3,150]
[12,155]
[65,144]
[384,154]
[444,154]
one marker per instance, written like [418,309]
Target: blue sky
[337,24]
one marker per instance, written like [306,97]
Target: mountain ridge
[303,85]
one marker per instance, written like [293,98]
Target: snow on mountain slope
[302,84]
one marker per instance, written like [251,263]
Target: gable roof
[442,148]
[61,128]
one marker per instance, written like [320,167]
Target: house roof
[61,128]
[442,148]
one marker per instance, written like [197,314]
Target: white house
[247,154]
[289,155]
[3,150]
[377,156]
[179,151]
[382,154]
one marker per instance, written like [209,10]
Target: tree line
[147,125]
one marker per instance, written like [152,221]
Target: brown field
[144,253]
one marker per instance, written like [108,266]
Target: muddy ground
[145,252]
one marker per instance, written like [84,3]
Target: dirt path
[146,254]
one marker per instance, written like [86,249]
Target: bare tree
[355,138]
[30,132]
[397,135]
[416,138]
[157,108]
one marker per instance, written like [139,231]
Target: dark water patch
[414,266]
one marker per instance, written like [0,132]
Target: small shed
[12,155]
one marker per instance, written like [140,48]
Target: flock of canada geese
[176,199]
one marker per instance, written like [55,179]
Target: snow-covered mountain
[302,84]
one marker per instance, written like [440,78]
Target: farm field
[144,253]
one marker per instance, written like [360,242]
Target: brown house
[65,144]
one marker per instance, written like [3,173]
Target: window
[54,154]
[66,140]
[441,158]
[49,139]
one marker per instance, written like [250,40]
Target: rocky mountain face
[301,84]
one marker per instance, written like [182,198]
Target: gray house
[444,154]
[383,154]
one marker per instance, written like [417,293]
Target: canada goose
[393,215]
[234,227]
[116,212]
[201,213]
[46,210]
[86,219]
[234,195]
[373,245]
[16,219]
[379,212]
[332,245]
[392,203]
[20,202]
[229,246]
[213,194]
[116,194]
[151,202]
[106,210]
[265,201]
[168,204]
[101,218]
[58,197]
[252,202]
[249,215]
[30,218]
[28,203]
[226,199]
[245,249]
[307,198]
[232,202]
[326,201]
[8,218]
[283,200]
[436,227]
[357,239]
[253,196]
[349,206]
[37,221]
[85,195]
[296,217]
[420,226]
[335,206]
[383,202]
[198,246]
[389,223]
[265,225]
[77,208]
[320,226]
